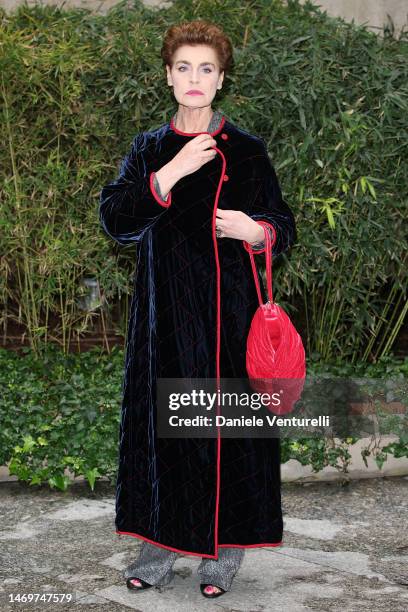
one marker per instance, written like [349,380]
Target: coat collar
[215,126]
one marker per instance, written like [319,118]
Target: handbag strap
[268,263]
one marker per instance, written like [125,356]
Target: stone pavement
[345,548]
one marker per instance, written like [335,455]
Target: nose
[194,77]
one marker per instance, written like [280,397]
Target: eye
[180,67]
[209,69]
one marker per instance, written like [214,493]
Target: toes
[212,589]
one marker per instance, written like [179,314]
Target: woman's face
[195,69]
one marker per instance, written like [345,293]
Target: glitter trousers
[155,565]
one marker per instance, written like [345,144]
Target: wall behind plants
[329,98]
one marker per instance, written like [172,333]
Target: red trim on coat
[178,550]
[249,545]
[218,341]
[165,203]
[187,552]
[248,247]
[219,128]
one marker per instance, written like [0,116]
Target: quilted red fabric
[192,305]
[275,359]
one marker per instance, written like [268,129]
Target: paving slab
[345,548]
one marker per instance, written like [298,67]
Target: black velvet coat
[193,302]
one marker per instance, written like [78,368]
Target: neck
[192,119]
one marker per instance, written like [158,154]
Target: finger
[206,144]
[208,147]
[205,139]
[209,153]
[225,213]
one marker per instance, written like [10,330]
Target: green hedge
[330,98]
[61,412]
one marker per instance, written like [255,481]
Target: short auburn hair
[198,32]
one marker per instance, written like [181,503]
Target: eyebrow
[202,63]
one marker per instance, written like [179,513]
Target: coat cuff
[252,247]
[165,203]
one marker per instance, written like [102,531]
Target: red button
[224,136]
[226,177]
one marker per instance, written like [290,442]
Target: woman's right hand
[194,154]
[189,159]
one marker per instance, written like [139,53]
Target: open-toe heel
[135,587]
[211,595]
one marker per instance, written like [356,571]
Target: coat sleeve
[269,206]
[130,205]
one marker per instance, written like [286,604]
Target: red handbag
[275,355]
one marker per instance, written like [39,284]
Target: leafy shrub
[61,412]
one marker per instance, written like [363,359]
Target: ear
[169,79]
[220,80]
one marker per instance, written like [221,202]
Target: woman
[193,195]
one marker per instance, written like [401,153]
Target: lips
[195,92]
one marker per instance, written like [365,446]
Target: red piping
[249,248]
[136,535]
[218,342]
[187,552]
[165,203]
[219,128]
[249,545]
[218,338]
[218,345]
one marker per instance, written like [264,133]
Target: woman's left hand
[236,224]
